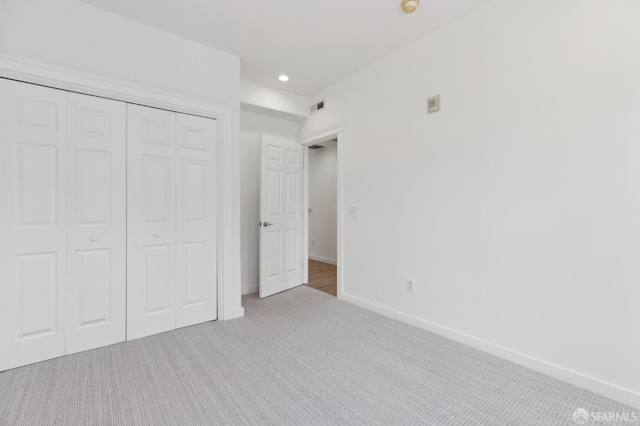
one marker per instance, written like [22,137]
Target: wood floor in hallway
[323,277]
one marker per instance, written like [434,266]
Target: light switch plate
[434,104]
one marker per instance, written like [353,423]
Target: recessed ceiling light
[283,78]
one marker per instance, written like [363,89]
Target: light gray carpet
[298,358]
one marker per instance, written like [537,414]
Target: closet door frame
[27,70]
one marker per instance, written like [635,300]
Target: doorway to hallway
[323,277]
[322,176]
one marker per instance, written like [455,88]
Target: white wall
[323,200]
[70,33]
[516,208]
[75,35]
[252,127]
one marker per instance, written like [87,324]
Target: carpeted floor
[297,358]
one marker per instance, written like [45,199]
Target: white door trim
[60,77]
[335,132]
[45,74]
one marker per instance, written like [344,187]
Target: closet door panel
[32,223]
[96,222]
[197,139]
[151,279]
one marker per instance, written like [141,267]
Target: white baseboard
[592,384]
[249,289]
[235,313]
[323,259]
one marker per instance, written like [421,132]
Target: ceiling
[316,43]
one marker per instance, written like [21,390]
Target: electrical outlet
[353,211]
[313,242]
[411,285]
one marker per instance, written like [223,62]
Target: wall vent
[317,106]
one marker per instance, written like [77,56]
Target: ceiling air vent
[317,107]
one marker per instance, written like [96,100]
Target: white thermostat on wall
[434,104]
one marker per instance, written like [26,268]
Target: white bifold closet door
[151,272]
[196,214]
[32,223]
[171,239]
[96,222]
[62,223]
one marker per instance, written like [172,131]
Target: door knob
[93,238]
[265,224]
[156,234]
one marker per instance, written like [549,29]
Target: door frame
[335,132]
[41,73]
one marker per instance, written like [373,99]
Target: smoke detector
[410,6]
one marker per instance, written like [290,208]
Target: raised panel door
[197,145]
[151,221]
[281,215]
[32,223]
[96,222]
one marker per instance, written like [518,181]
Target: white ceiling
[316,43]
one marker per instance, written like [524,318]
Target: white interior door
[96,222]
[281,215]
[196,220]
[151,272]
[32,223]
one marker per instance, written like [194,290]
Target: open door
[281,215]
